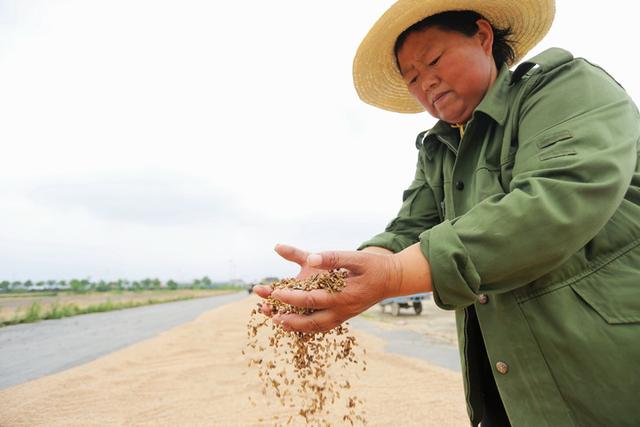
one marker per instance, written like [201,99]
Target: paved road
[30,351]
[413,344]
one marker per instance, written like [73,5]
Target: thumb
[291,253]
[335,260]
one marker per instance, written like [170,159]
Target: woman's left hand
[372,277]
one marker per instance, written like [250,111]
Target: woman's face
[448,72]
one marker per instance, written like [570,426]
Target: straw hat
[375,72]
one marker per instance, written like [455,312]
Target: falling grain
[305,372]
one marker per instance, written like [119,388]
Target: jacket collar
[495,102]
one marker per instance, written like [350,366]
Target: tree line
[87,285]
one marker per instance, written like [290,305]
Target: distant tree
[78,286]
[5,285]
[206,282]
[172,285]
[102,286]
[28,284]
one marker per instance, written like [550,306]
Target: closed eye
[411,78]
[435,61]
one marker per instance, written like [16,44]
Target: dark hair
[464,22]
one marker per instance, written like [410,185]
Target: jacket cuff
[454,278]
[388,240]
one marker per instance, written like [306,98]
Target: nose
[428,81]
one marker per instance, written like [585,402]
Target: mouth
[439,97]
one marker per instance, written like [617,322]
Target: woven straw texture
[375,73]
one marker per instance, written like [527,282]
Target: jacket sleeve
[417,214]
[577,137]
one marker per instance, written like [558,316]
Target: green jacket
[533,218]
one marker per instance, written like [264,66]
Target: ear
[485,35]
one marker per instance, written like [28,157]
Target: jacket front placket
[444,171]
[468,333]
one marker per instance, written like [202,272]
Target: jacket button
[460,185]
[483,299]
[502,367]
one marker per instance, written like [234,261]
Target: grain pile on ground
[308,373]
[193,375]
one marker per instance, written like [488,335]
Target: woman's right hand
[294,255]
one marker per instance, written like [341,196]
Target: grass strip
[35,312]
[38,294]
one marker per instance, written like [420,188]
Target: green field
[30,307]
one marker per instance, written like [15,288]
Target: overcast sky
[177,139]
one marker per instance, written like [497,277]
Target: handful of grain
[307,373]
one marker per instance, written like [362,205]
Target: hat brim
[375,73]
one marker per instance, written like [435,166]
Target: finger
[320,321]
[292,254]
[267,310]
[332,260]
[263,291]
[315,299]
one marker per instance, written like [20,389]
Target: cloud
[150,198]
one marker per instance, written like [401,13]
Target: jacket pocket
[549,140]
[556,153]
[614,290]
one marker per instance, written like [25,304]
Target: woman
[523,217]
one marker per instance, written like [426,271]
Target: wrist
[413,272]
[394,283]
